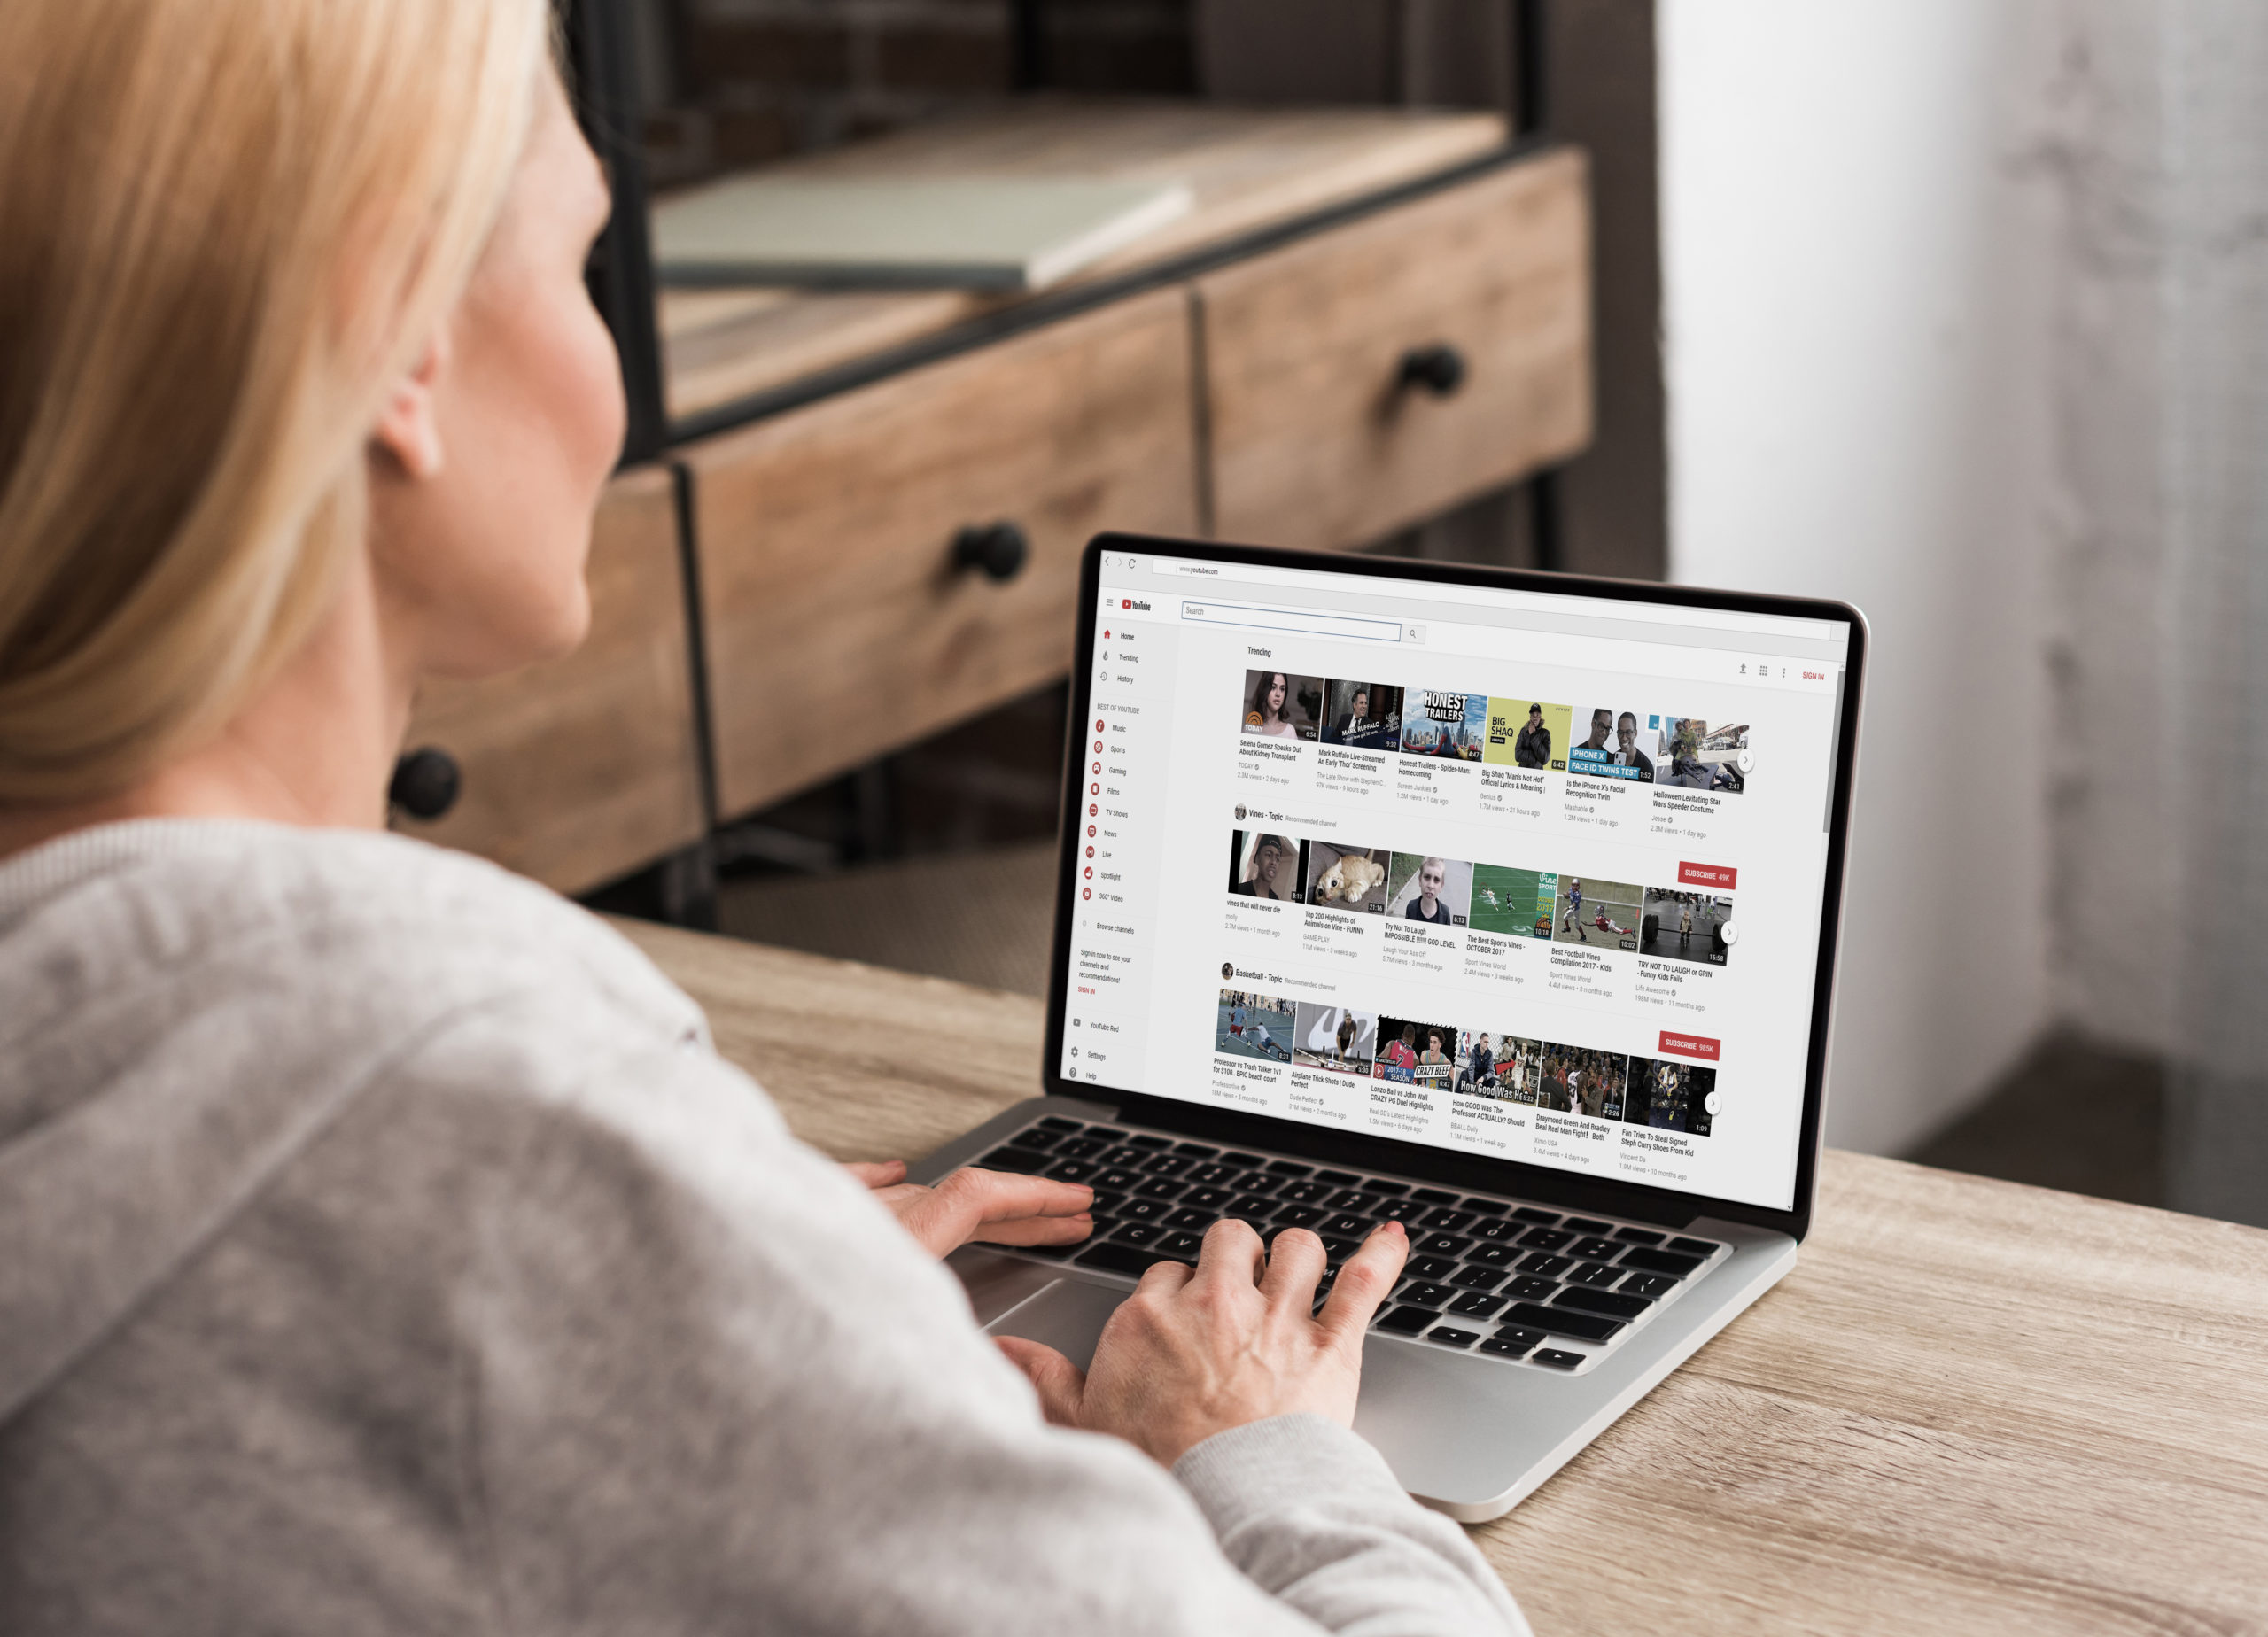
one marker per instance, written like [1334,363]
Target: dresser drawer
[1377,373]
[584,768]
[837,621]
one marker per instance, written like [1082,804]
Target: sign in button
[1691,1045]
[1721,876]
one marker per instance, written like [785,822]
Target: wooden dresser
[867,524]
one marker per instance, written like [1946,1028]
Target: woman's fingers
[1037,1231]
[877,1173]
[1059,1383]
[974,1203]
[1363,1280]
[1295,1263]
[1232,1252]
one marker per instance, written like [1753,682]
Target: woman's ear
[409,428]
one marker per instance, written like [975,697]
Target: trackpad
[1066,1316]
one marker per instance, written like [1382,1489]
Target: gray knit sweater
[383,1247]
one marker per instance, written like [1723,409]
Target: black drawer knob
[1438,370]
[997,550]
[425,783]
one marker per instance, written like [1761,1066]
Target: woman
[1266,715]
[388,1248]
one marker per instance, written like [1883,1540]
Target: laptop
[1500,904]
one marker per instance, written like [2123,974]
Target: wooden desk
[1974,1407]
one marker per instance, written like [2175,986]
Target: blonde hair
[227,226]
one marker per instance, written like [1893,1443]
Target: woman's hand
[1191,1353]
[997,1208]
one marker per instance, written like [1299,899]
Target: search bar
[1294,619]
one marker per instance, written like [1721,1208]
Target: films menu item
[1264,864]
[1528,733]
[1684,925]
[1691,754]
[1254,1026]
[1336,1039]
[1671,1096]
[1499,1066]
[1518,904]
[1415,1053]
[1449,725]
[1421,887]
[1602,913]
[1332,877]
[1611,750]
[1281,704]
[1362,716]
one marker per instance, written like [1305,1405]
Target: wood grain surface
[1246,167]
[581,769]
[1973,1408]
[1313,444]
[837,627]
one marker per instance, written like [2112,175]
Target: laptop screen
[1526,875]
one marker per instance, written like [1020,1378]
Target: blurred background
[1957,311]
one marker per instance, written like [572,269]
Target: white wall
[1858,282]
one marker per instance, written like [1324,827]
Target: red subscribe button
[1720,875]
[1691,1045]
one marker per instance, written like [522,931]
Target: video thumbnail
[1362,716]
[1416,1053]
[1332,877]
[1612,751]
[1264,864]
[1422,887]
[1671,1096]
[1281,704]
[1684,925]
[1336,1038]
[1582,1080]
[1526,733]
[1518,904]
[1450,725]
[1503,1067]
[1603,914]
[1692,754]
[1254,1026]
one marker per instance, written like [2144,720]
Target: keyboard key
[1024,1159]
[1180,1246]
[1250,1206]
[1380,1185]
[1213,1173]
[1649,1284]
[1187,1217]
[1584,1224]
[1557,1358]
[1595,1249]
[1080,1148]
[1118,1179]
[1449,1221]
[1485,1208]
[1527,1287]
[1106,1205]
[1637,1235]
[1242,1160]
[1149,1141]
[1306,1194]
[1703,1248]
[1419,1294]
[1397,1210]
[1125,1153]
[1433,1195]
[1298,1216]
[1166,1165]
[1138,1233]
[1508,1344]
[1428,1267]
[1476,1304]
[1659,1261]
[1057,1123]
[1196,1150]
[1253,1183]
[1160,1188]
[1072,1170]
[1036,1139]
[1290,1168]
[1442,1245]
[1529,1213]
[1499,1230]
[1408,1321]
[1519,1336]
[1545,1238]
[1214,1199]
[1337,1251]
[1347,1225]
[1353,1199]
[1494,1255]
[1116,1259]
[1596,1274]
[1451,1338]
[1477,1278]
[1140,1210]
[1601,1301]
[1337,1179]
[1548,1267]
[1564,1322]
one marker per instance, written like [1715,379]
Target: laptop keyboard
[1517,1282]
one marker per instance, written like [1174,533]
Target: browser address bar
[1294,619]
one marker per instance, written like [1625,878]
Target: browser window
[1529,876]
